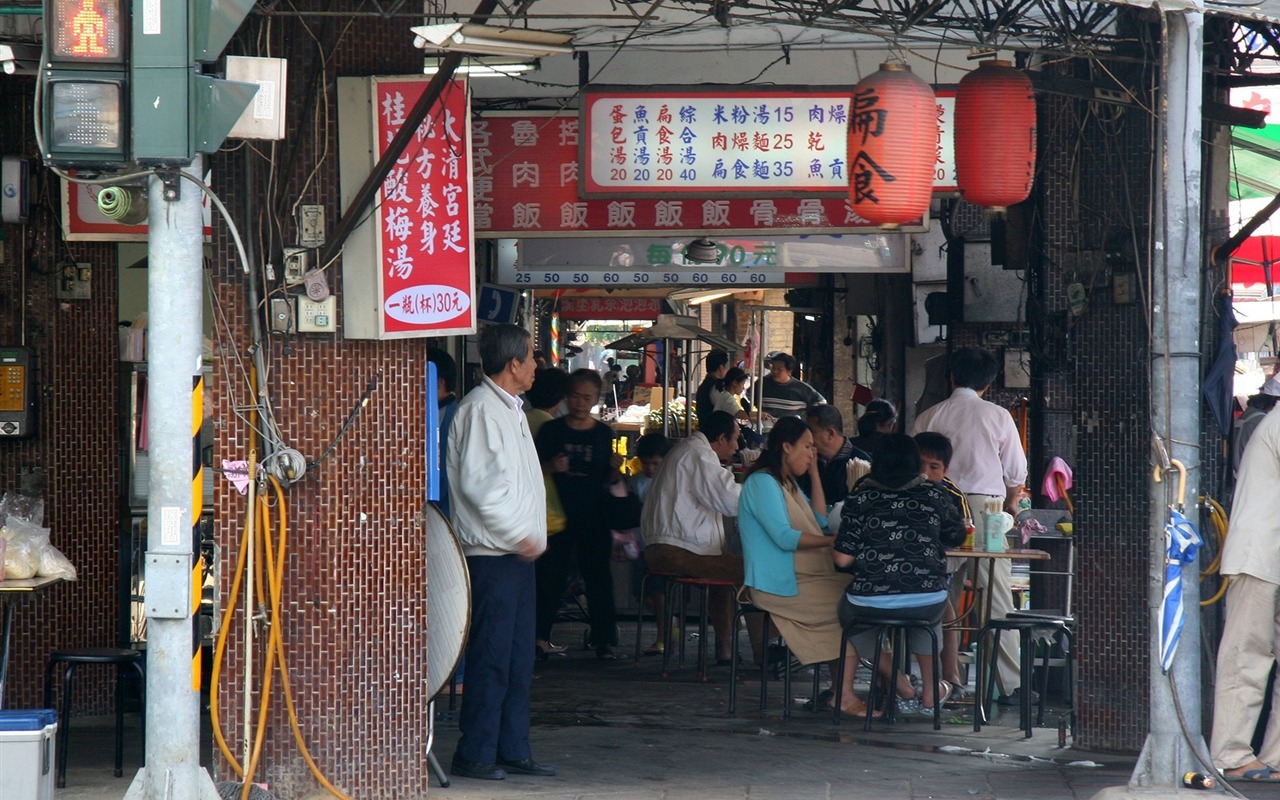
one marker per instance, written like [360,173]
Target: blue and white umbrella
[1182,543]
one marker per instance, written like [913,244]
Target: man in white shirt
[1250,636]
[989,466]
[683,518]
[499,506]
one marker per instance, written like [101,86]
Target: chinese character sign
[713,142]
[527,184]
[424,215]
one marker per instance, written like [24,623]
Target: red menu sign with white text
[423,215]
[527,185]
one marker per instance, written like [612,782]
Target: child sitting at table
[651,450]
[935,457]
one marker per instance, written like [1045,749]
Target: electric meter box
[27,742]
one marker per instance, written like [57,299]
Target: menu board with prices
[527,185]
[727,141]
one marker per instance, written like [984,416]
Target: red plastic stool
[679,584]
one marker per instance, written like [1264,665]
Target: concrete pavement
[623,732]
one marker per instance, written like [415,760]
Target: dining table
[12,592]
[990,557]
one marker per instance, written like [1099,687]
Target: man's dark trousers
[495,707]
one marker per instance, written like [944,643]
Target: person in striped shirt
[785,395]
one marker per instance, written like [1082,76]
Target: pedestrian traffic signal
[176,111]
[84,119]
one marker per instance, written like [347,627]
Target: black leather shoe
[527,766]
[463,768]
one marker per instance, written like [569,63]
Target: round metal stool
[73,658]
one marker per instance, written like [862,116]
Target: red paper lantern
[893,146]
[995,135]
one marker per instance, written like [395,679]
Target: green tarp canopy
[1255,162]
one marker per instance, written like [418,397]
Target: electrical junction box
[311,226]
[14,205]
[281,319]
[296,260]
[74,282]
[264,118]
[318,317]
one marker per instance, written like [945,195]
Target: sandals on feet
[855,708]
[1264,775]
[944,692]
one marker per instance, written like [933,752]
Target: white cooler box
[26,754]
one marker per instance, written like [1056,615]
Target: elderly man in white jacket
[683,518]
[500,515]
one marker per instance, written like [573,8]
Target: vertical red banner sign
[426,249]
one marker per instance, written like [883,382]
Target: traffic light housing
[85,119]
[176,111]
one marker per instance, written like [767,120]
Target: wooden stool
[72,659]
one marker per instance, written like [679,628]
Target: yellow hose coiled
[274,559]
[260,509]
[1218,518]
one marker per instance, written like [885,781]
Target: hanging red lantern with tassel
[893,146]
[995,135]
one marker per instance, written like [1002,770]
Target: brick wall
[354,616]
[75,452]
[1094,184]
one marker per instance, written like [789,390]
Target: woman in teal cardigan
[787,555]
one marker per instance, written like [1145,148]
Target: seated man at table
[840,464]
[683,519]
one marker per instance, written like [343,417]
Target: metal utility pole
[175,301]
[1174,738]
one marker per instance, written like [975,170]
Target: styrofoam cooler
[26,753]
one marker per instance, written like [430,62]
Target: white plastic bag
[22,506]
[29,552]
[17,559]
[51,563]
